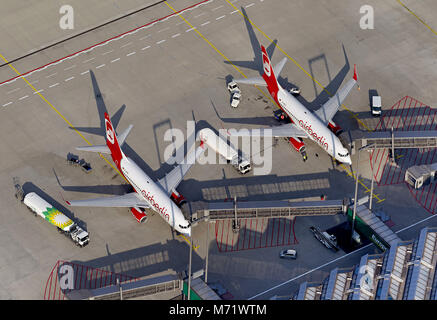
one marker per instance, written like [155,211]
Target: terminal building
[404,272]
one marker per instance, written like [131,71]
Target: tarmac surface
[165,73]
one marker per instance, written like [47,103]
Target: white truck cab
[376,106]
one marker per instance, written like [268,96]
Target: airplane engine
[336,129]
[139,214]
[297,144]
[178,198]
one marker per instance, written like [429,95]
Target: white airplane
[161,197]
[317,125]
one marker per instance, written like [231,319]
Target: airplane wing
[327,111]
[174,177]
[285,130]
[257,81]
[125,201]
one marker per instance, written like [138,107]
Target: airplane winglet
[356,76]
[68,202]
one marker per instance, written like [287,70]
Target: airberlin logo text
[266,65]
[162,211]
[109,132]
[319,139]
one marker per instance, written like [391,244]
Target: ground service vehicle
[376,106]
[49,213]
[235,101]
[233,87]
[220,146]
[288,254]
[329,241]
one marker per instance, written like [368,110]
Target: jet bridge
[212,211]
[395,139]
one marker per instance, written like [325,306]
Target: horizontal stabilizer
[96,148]
[258,81]
[279,66]
[122,137]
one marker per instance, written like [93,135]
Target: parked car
[233,87]
[235,99]
[288,254]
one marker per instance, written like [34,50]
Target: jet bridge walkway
[213,211]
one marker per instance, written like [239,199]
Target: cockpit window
[185,227]
[343,155]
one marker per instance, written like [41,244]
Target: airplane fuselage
[154,195]
[308,122]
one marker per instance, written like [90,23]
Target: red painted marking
[250,234]
[283,232]
[245,229]
[294,234]
[100,43]
[279,230]
[273,230]
[256,233]
[227,235]
[221,239]
[262,233]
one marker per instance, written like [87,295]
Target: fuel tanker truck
[65,225]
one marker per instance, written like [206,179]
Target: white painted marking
[161,41]
[69,68]
[163,29]
[13,90]
[234,11]
[217,8]
[105,53]
[125,45]
[220,17]
[85,72]
[102,65]
[176,35]
[112,61]
[52,75]
[38,91]
[180,23]
[24,97]
[34,81]
[191,29]
[199,15]
[88,60]
[129,54]
[6,104]
[145,48]
[68,79]
[249,5]
[54,85]
[205,23]
[145,37]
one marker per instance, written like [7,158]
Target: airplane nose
[348,160]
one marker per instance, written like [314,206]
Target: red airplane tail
[268,75]
[112,142]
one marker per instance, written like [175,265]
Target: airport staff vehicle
[235,101]
[376,106]
[159,196]
[219,145]
[295,91]
[304,124]
[417,176]
[233,87]
[288,254]
[45,210]
[328,240]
